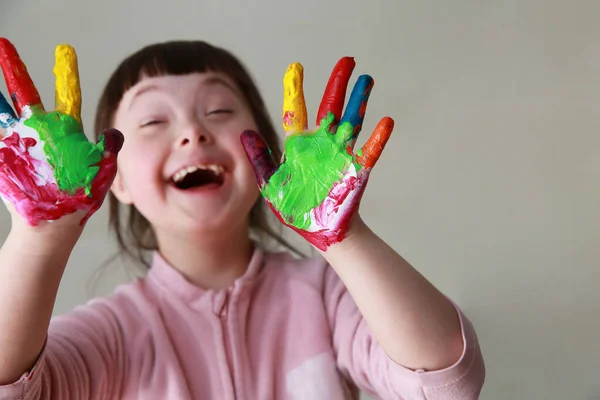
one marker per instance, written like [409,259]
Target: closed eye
[219,111]
[150,123]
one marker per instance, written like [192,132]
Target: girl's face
[182,164]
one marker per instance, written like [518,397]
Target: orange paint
[373,148]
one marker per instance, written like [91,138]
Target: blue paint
[7,116]
[359,96]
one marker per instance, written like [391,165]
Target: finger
[294,106]
[20,86]
[335,91]
[351,123]
[112,140]
[259,155]
[372,149]
[68,90]
[7,116]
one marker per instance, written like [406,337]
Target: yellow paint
[294,116]
[68,91]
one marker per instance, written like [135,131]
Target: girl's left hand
[49,171]
[317,188]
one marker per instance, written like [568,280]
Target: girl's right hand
[49,170]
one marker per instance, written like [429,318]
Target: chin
[222,221]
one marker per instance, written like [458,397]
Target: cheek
[140,165]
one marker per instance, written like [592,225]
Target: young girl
[218,316]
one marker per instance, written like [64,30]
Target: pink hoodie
[287,329]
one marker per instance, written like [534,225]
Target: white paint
[5,117]
[336,218]
[44,172]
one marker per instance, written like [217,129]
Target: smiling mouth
[197,176]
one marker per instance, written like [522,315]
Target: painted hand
[317,188]
[48,168]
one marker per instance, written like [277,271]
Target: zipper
[227,340]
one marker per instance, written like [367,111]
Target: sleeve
[83,358]
[364,362]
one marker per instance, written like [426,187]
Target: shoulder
[125,310]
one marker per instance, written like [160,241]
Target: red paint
[363,109]
[46,203]
[288,118]
[259,155]
[335,91]
[350,190]
[20,86]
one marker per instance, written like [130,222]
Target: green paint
[72,157]
[314,162]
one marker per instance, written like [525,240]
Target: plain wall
[490,184]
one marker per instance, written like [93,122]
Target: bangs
[176,58]
[171,58]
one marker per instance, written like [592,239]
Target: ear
[119,189]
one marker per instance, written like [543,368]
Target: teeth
[179,175]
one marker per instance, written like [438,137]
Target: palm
[315,161]
[48,168]
[318,186]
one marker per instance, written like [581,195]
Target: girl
[217,316]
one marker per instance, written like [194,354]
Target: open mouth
[197,176]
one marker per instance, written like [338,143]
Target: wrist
[357,233]
[46,239]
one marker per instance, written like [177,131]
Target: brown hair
[136,237]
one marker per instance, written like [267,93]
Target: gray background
[490,185]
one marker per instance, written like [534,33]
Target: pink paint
[288,118]
[329,210]
[37,203]
[334,214]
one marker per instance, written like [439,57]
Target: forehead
[180,84]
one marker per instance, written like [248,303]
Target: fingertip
[7,49]
[64,50]
[252,142]
[248,134]
[383,131]
[346,62]
[113,140]
[293,79]
[64,47]
[387,122]
[366,83]
[5,43]
[65,54]
[295,68]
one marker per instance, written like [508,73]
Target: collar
[174,283]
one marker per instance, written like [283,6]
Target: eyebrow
[148,88]
[212,81]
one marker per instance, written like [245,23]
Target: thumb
[112,139]
[259,155]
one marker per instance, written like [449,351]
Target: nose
[195,133]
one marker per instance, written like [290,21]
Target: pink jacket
[287,329]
